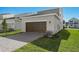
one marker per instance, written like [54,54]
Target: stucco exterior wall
[49,26]
[18,25]
[58,25]
[10,22]
[51,22]
[1,17]
[8,16]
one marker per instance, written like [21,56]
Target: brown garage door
[36,27]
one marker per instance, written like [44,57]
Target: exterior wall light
[49,21]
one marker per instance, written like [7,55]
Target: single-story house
[42,21]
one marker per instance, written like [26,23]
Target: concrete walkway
[7,45]
[11,43]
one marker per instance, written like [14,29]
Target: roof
[56,10]
[49,11]
[74,19]
[5,14]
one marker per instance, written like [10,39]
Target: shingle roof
[74,19]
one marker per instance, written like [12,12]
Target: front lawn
[64,41]
[10,33]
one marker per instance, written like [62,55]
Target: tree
[4,26]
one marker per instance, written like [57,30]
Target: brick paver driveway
[11,43]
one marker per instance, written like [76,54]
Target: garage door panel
[36,27]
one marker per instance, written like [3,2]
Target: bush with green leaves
[4,26]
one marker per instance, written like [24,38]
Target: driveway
[11,43]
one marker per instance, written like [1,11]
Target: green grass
[10,33]
[64,41]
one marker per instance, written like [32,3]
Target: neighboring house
[42,21]
[74,23]
[9,19]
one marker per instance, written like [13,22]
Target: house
[9,19]
[42,21]
[73,23]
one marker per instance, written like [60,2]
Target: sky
[68,12]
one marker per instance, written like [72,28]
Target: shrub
[4,26]
[49,34]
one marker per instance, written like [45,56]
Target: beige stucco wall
[58,25]
[1,17]
[10,22]
[8,16]
[51,22]
[49,27]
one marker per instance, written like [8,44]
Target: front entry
[36,27]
